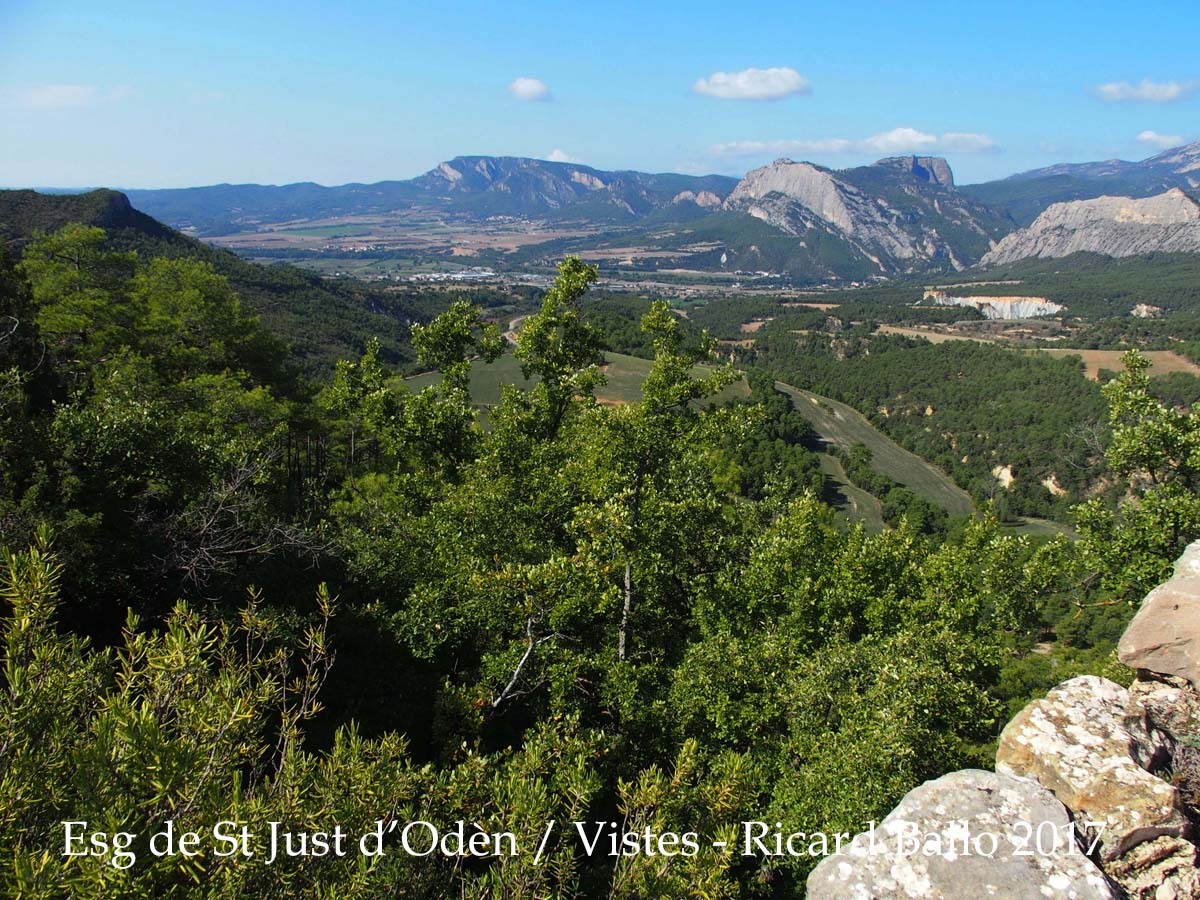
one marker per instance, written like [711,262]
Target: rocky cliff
[1094,795]
[902,214]
[933,169]
[1112,226]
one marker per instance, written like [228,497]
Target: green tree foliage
[898,501]
[1155,449]
[965,406]
[147,419]
[199,723]
[559,346]
[632,615]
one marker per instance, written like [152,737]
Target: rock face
[901,214]
[1028,194]
[998,307]
[1164,636]
[1163,705]
[951,815]
[933,169]
[705,199]
[1112,226]
[811,186]
[1075,743]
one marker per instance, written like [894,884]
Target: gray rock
[955,812]
[1112,226]
[897,223]
[1075,743]
[1188,565]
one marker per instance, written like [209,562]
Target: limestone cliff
[1112,226]
[902,214]
[933,169]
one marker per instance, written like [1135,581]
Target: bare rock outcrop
[950,820]
[933,169]
[705,199]
[1166,707]
[996,307]
[1162,869]
[1164,636]
[898,221]
[1075,743]
[812,187]
[1112,226]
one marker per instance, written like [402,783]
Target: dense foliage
[639,614]
[973,409]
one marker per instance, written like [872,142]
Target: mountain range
[1026,195]
[900,215]
[475,186]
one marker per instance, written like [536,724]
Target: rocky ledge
[1094,793]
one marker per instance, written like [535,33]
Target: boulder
[950,819]
[1075,743]
[1164,636]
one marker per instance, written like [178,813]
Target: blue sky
[153,94]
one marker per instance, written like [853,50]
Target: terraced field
[843,426]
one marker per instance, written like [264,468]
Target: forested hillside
[225,599]
[321,320]
[970,408]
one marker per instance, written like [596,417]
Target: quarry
[997,307]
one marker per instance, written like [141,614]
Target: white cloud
[896,141]
[1145,91]
[557,155]
[753,84]
[529,89]
[781,148]
[966,142]
[1161,141]
[53,96]
[900,140]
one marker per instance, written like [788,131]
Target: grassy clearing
[329,230]
[842,426]
[1161,361]
[934,337]
[1041,528]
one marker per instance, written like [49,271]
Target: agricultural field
[842,426]
[850,500]
[1162,362]
[934,337]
